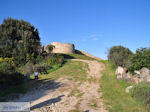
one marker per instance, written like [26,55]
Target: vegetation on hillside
[119,56]
[140,59]
[18,39]
[115,97]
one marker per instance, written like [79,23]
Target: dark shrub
[41,68]
[6,67]
[55,59]
[10,79]
[140,59]
[39,59]
[119,56]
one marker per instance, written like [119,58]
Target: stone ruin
[62,48]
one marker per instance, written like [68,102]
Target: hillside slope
[75,90]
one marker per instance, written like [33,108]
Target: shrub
[41,68]
[119,56]
[141,92]
[49,48]
[140,59]
[9,79]
[39,59]
[55,59]
[6,67]
[9,60]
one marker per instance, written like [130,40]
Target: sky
[94,26]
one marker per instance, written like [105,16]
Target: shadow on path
[50,101]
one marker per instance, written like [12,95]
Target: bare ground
[68,95]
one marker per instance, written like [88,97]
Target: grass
[114,95]
[76,56]
[73,69]
[141,93]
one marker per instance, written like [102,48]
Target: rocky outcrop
[142,75]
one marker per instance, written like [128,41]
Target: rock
[148,79]
[119,77]
[137,72]
[127,90]
[144,72]
[135,80]
[119,72]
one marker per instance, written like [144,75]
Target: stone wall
[62,47]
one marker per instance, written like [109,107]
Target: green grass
[74,69]
[114,95]
[141,93]
[76,56]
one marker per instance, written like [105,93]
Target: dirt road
[69,95]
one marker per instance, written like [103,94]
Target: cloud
[95,38]
[92,35]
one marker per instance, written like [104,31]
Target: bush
[10,79]
[141,92]
[55,59]
[119,56]
[140,59]
[41,68]
[39,59]
[6,67]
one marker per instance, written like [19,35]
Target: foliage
[49,48]
[6,67]
[41,68]
[141,92]
[9,79]
[140,59]
[18,39]
[39,59]
[114,94]
[119,56]
[9,60]
[55,59]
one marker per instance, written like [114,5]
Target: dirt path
[69,95]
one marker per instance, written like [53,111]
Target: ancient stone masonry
[62,47]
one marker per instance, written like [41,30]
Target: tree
[18,39]
[49,48]
[119,56]
[140,59]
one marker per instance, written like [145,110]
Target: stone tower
[62,47]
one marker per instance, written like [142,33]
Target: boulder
[137,72]
[119,72]
[144,72]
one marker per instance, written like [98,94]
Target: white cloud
[95,38]
[92,35]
